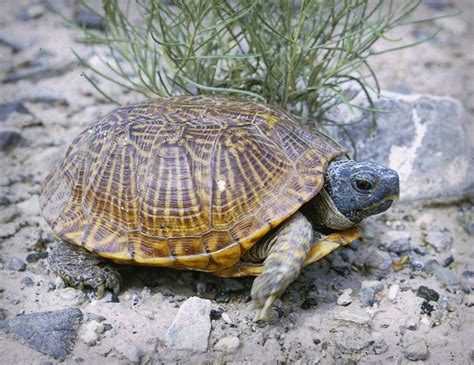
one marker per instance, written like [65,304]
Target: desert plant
[297,54]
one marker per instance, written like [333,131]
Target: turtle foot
[80,268]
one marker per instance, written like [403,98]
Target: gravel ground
[363,304]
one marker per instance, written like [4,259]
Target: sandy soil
[313,327]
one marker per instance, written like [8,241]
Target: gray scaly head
[354,191]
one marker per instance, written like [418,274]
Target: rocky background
[403,293]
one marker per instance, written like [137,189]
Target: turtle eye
[362,186]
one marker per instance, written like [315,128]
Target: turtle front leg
[288,249]
[79,267]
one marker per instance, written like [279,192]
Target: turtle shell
[183,182]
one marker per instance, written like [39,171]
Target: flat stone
[417,351]
[15,40]
[16,264]
[441,241]
[446,277]
[52,333]
[72,297]
[423,137]
[191,327]
[227,344]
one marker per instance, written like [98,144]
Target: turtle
[209,183]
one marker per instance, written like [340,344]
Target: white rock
[92,331]
[393,292]
[72,297]
[227,318]
[227,344]
[191,327]
[345,298]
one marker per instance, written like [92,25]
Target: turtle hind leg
[79,268]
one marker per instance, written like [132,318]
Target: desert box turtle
[206,183]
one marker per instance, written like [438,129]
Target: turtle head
[361,189]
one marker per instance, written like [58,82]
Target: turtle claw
[100,291]
[266,313]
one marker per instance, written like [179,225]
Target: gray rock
[378,262]
[52,333]
[422,137]
[191,327]
[227,344]
[441,241]
[16,264]
[398,241]
[40,72]
[417,351]
[14,106]
[27,281]
[367,297]
[9,139]
[85,17]
[15,40]
[375,285]
[446,277]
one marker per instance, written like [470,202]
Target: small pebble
[27,281]
[216,313]
[439,240]
[468,274]
[354,245]
[14,263]
[367,297]
[426,308]
[227,344]
[448,261]
[345,298]
[393,292]
[427,293]
[36,256]
[316,341]
[420,251]
[227,318]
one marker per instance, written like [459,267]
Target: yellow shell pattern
[183,182]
